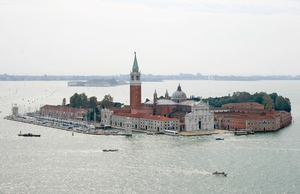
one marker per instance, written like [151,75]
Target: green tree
[273,96]
[283,104]
[107,101]
[79,100]
[118,104]
[92,102]
[258,97]
[268,102]
[84,100]
[242,96]
[74,100]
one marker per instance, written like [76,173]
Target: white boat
[171,132]
[244,132]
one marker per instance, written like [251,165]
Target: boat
[110,150]
[110,132]
[171,132]
[29,135]
[244,132]
[105,126]
[219,173]
[241,132]
[219,138]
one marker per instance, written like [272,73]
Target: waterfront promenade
[32,120]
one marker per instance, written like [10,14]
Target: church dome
[178,95]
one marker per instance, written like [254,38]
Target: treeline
[270,101]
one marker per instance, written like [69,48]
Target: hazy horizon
[93,37]
[178,74]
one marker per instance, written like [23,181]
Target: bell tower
[154,103]
[135,85]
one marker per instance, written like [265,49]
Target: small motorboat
[219,138]
[28,135]
[219,173]
[110,150]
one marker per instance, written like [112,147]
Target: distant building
[251,116]
[63,112]
[200,118]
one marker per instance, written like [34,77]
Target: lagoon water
[58,162]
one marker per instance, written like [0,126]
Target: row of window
[241,122]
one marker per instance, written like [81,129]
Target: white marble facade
[200,118]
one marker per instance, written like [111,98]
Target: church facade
[175,112]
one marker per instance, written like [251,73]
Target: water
[58,162]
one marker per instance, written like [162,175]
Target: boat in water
[102,126]
[171,132]
[110,150]
[29,135]
[219,138]
[243,132]
[219,173]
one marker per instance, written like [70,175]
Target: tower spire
[135,67]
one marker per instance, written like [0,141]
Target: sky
[99,37]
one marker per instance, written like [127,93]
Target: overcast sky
[99,37]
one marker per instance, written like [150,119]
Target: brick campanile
[135,85]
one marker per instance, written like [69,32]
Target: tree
[83,100]
[242,96]
[107,101]
[273,96]
[79,100]
[92,102]
[74,100]
[283,104]
[268,102]
[118,104]
[258,97]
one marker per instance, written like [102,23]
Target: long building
[63,112]
[251,116]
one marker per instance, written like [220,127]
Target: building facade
[63,112]
[251,116]
[200,118]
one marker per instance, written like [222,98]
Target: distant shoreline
[146,77]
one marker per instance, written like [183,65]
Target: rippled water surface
[58,162]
